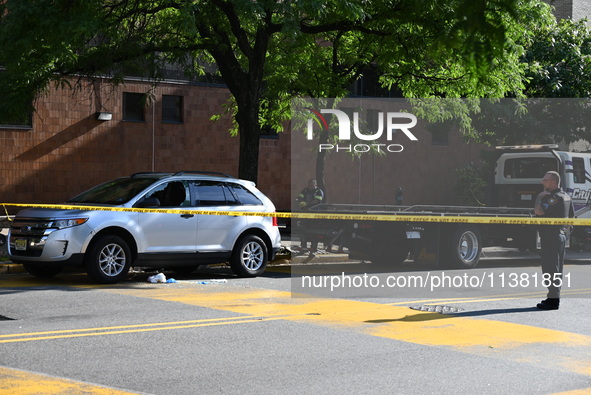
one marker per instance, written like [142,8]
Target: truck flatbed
[431,210]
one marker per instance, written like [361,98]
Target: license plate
[413,235]
[20,244]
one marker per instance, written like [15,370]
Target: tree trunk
[249,134]
[320,160]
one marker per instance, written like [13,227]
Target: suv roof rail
[145,173]
[212,173]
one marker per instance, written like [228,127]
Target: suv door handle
[187,215]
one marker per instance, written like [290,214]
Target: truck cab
[519,170]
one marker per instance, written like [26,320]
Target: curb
[319,258]
[11,268]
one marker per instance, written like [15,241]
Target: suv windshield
[114,192]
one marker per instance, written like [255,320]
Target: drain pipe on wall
[153,135]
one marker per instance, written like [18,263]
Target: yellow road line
[106,328]
[521,343]
[549,348]
[18,382]
[72,333]
[583,391]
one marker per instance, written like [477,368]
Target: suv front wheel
[249,257]
[108,259]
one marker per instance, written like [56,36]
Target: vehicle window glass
[210,193]
[245,196]
[231,199]
[115,192]
[529,167]
[578,170]
[170,194]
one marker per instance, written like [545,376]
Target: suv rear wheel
[249,257]
[108,259]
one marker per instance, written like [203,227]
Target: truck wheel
[464,247]
[249,257]
[108,259]
[42,270]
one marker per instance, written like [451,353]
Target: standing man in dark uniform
[552,202]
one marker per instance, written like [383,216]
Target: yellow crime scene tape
[394,217]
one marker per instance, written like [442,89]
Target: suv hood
[36,212]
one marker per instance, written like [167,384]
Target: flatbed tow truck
[386,235]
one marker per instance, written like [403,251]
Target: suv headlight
[67,223]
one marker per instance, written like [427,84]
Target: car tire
[108,259]
[249,257]
[42,270]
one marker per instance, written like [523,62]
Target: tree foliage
[559,61]
[267,51]
[554,105]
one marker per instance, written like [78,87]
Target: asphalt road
[254,336]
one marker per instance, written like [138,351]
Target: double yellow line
[151,327]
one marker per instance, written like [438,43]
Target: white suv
[107,243]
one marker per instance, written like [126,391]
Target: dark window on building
[133,107]
[172,108]
[440,132]
[268,132]
[16,121]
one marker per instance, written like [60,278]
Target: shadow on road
[437,316]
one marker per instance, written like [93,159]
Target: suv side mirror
[148,202]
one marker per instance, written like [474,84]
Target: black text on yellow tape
[393,217]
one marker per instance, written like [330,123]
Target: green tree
[554,104]
[559,61]
[267,51]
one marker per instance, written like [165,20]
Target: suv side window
[170,194]
[244,195]
[213,193]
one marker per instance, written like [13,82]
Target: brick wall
[68,150]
